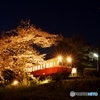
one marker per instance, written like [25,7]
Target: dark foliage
[91,72]
[53,91]
[8,75]
[59,76]
[78,48]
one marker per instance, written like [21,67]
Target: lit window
[35,68]
[39,66]
[54,63]
[47,65]
[44,66]
[51,64]
[57,62]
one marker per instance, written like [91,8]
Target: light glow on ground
[15,82]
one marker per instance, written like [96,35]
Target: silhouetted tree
[78,48]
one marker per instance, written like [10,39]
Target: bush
[59,76]
[8,76]
[80,72]
[91,72]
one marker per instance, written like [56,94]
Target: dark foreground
[52,91]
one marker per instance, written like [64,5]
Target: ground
[52,91]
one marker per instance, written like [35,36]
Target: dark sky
[67,17]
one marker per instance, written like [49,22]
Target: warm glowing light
[47,65]
[51,64]
[69,59]
[74,71]
[15,82]
[59,58]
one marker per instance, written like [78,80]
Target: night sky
[66,17]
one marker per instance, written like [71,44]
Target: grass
[51,91]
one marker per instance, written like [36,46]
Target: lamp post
[69,61]
[59,59]
[74,70]
[97,58]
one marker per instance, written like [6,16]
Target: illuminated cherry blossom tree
[17,46]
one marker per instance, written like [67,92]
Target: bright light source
[59,58]
[69,59]
[15,82]
[74,71]
[97,58]
[96,55]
